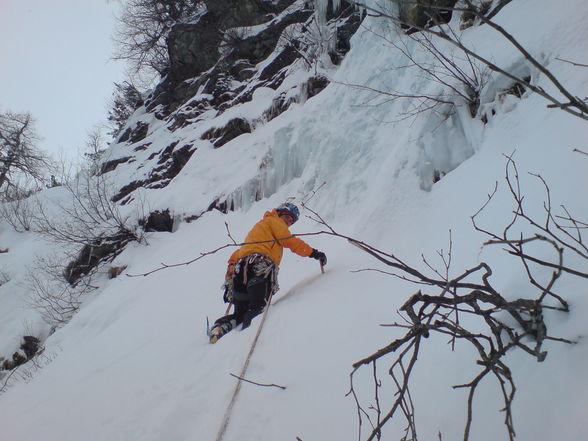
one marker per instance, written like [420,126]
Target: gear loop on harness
[253,266]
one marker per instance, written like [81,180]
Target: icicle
[321,7]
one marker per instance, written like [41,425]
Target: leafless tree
[142,30]
[19,154]
[459,77]
[89,227]
[95,149]
[480,13]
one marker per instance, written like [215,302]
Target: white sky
[56,64]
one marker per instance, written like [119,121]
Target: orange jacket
[272,235]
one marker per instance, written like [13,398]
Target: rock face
[194,48]
[425,13]
[237,13]
[158,221]
[101,250]
[168,163]
[218,62]
[230,39]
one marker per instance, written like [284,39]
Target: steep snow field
[135,364]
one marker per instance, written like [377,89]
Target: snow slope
[134,363]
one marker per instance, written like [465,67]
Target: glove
[319,255]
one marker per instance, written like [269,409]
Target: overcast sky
[55,63]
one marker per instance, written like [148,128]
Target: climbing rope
[228,412]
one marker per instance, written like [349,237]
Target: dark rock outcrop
[417,14]
[344,32]
[134,134]
[29,347]
[195,49]
[161,221]
[170,163]
[108,166]
[236,13]
[100,250]
[315,85]
[220,136]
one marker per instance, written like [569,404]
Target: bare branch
[440,313]
[574,105]
[256,383]
[571,62]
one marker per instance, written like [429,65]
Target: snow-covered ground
[135,363]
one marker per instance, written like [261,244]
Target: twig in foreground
[257,384]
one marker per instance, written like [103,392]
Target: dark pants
[251,294]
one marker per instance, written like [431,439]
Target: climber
[251,277]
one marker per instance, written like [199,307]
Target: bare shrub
[91,231]
[51,294]
[500,325]
[143,28]
[87,213]
[18,213]
[459,76]
[19,154]
[232,38]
